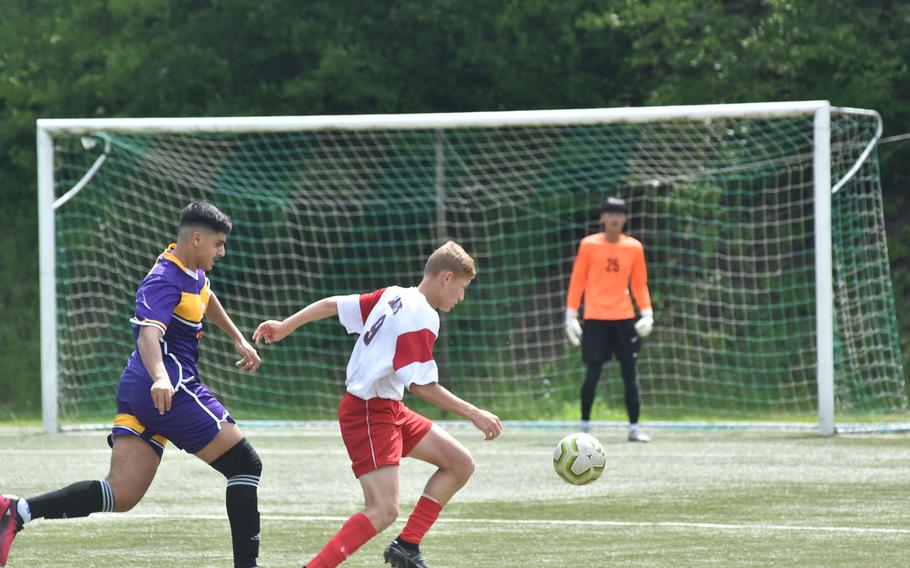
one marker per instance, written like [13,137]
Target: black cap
[614,205]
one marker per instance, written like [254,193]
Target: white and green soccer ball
[579,458]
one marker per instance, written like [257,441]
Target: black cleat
[400,557]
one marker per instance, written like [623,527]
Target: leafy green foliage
[88,58]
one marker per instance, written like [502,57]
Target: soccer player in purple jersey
[160,397]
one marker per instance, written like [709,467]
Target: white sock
[633,428]
[24,511]
[585,425]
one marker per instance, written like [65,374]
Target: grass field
[688,499]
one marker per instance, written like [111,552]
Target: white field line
[542,453]
[107,517]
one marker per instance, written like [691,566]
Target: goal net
[722,197]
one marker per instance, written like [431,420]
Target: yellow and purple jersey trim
[172,299]
[191,308]
[168,254]
[151,323]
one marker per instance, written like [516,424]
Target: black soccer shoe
[400,557]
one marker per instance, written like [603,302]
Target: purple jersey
[173,299]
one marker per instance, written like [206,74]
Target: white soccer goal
[762,226]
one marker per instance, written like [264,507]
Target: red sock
[422,518]
[354,534]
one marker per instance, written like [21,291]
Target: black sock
[243,514]
[242,468]
[630,382]
[407,545]
[77,500]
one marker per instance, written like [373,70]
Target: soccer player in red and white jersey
[396,329]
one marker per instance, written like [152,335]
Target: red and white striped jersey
[397,328]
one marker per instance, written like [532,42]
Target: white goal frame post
[820,109]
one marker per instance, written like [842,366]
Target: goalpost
[762,225]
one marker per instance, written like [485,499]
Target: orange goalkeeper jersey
[604,272]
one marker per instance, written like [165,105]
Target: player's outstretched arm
[273,330]
[440,397]
[250,360]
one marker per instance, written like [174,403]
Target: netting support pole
[48,282]
[824,288]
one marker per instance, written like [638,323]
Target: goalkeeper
[607,265]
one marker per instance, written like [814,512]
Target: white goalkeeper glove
[573,328]
[645,323]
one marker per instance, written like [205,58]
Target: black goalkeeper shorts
[602,339]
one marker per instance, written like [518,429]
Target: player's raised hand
[250,361]
[488,423]
[270,331]
[162,393]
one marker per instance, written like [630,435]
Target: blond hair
[451,256]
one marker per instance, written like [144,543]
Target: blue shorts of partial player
[195,417]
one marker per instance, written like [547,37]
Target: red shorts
[379,431]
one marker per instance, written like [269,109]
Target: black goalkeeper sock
[589,388]
[77,500]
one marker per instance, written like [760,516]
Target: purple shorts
[195,417]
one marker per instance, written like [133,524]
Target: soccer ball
[579,458]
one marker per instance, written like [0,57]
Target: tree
[231,57]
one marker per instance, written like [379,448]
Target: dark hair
[206,215]
[614,205]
